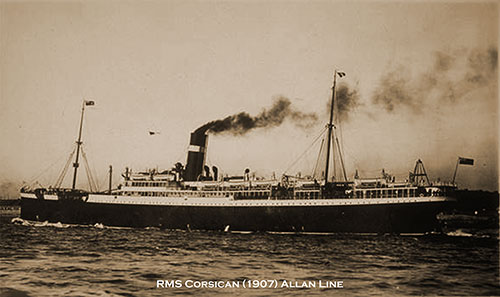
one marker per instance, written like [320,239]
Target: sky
[421,83]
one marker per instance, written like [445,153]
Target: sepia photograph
[249,148]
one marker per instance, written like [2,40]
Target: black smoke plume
[242,122]
[347,99]
[450,78]
[394,90]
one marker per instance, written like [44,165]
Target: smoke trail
[481,66]
[242,122]
[347,99]
[449,79]
[395,90]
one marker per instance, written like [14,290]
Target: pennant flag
[89,103]
[465,161]
[341,74]
[153,132]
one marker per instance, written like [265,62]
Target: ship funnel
[215,170]
[196,156]
[207,172]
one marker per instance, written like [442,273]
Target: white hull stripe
[230,202]
[28,195]
[33,196]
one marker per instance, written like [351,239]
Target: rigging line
[104,180]
[337,155]
[319,156]
[33,180]
[341,159]
[61,176]
[93,174]
[300,157]
[344,148]
[307,149]
[89,177]
[64,171]
[86,170]
[92,183]
[95,177]
[337,130]
[332,150]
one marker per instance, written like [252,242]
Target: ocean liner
[197,197]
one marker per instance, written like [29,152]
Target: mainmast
[79,141]
[330,123]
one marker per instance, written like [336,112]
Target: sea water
[44,259]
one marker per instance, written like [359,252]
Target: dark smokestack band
[196,156]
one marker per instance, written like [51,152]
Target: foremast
[79,142]
[330,128]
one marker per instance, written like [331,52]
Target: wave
[459,233]
[23,222]
[463,233]
[19,221]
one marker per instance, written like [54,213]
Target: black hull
[378,218]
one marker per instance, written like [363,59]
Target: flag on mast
[465,161]
[89,103]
